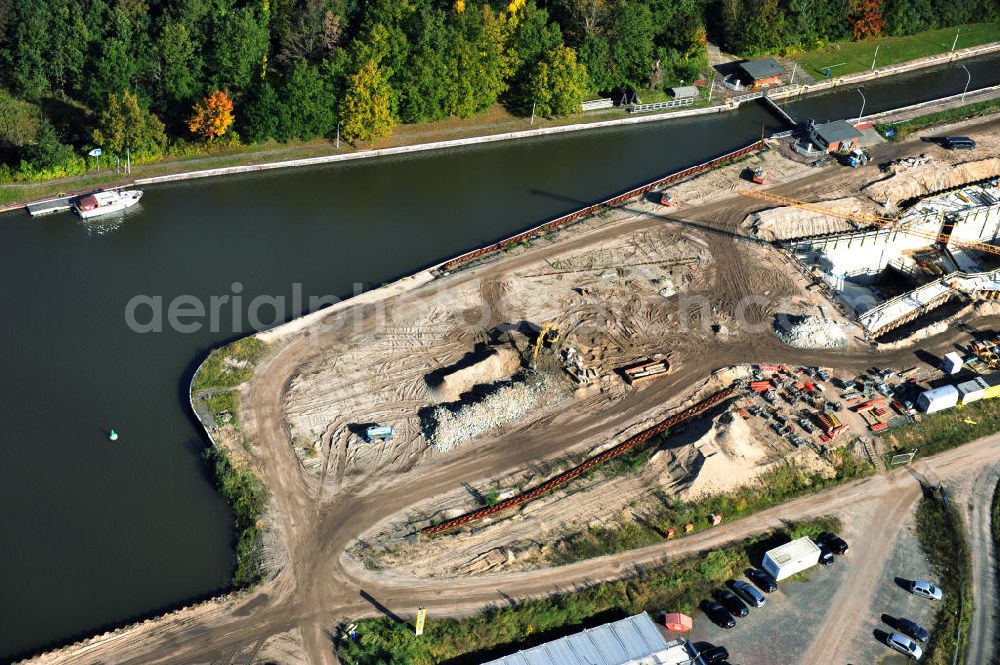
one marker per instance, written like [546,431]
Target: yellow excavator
[549,334]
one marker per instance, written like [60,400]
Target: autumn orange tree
[866,19]
[213,116]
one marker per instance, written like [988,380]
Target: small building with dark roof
[761,73]
[834,136]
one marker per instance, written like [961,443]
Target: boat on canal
[106,202]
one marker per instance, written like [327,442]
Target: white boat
[106,202]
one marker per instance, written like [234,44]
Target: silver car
[748,593]
[925,589]
[904,644]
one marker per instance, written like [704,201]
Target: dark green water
[95,534]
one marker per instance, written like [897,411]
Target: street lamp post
[876,56]
[967,82]
[861,115]
[955,43]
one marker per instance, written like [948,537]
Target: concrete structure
[852,263]
[762,73]
[791,558]
[834,136]
[972,391]
[938,399]
[635,640]
[684,92]
[952,363]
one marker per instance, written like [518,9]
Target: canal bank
[784,93]
[111,533]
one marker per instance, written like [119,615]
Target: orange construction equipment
[892,223]
[759,175]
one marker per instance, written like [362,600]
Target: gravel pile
[809,332]
[445,427]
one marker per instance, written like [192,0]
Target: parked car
[958,143]
[913,629]
[735,606]
[749,594]
[925,589]
[718,614]
[715,655]
[825,555]
[764,580]
[905,645]
[834,543]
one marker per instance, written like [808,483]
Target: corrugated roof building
[635,640]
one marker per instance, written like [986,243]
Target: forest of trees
[158,76]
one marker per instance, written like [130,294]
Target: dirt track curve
[319,586]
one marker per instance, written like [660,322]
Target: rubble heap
[447,426]
[809,332]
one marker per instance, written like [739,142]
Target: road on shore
[319,586]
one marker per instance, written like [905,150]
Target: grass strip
[941,532]
[247,498]
[677,585]
[945,430]
[229,366]
[847,57]
[906,128]
[782,483]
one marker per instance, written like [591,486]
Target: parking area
[782,631]
[890,600]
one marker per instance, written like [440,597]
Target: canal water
[96,533]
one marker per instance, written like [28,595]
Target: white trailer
[791,558]
[973,391]
[938,399]
[952,363]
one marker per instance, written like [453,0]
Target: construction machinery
[648,369]
[379,433]
[891,223]
[757,175]
[548,335]
[856,158]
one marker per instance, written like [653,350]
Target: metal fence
[656,106]
[597,207]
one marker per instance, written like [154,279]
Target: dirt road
[983,645]
[320,586]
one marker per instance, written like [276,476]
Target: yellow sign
[421,615]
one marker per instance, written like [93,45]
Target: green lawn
[857,56]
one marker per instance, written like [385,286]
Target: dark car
[834,543]
[913,629]
[732,602]
[958,143]
[748,593]
[825,555]
[715,654]
[763,580]
[719,615]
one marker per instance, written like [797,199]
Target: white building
[635,640]
[791,558]
[938,399]
[952,363]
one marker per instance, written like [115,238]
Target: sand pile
[499,363]
[728,458]
[447,426]
[809,332]
[787,222]
[928,175]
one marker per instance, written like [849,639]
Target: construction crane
[891,223]
[549,334]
